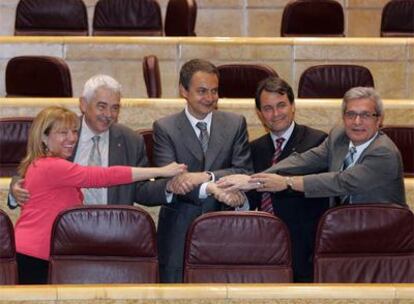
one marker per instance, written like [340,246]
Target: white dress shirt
[360,149]
[286,135]
[82,155]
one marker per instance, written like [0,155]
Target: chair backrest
[14,133]
[127,18]
[8,265]
[51,18]
[313,18]
[371,243]
[149,143]
[152,76]
[333,80]
[403,137]
[240,80]
[103,244]
[397,19]
[237,247]
[38,76]
[180,18]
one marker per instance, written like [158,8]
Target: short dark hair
[274,85]
[193,66]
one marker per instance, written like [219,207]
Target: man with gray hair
[359,163]
[104,142]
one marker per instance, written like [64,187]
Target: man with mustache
[100,105]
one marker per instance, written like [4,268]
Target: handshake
[228,189]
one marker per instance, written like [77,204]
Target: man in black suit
[276,108]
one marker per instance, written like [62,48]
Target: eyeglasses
[351,115]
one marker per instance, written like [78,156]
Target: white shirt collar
[193,121]
[87,133]
[361,148]
[286,135]
[81,157]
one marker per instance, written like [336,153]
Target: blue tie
[349,160]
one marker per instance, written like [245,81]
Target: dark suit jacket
[228,153]
[299,214]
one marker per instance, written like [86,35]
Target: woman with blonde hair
[55,183]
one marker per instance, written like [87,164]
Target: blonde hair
[41,126]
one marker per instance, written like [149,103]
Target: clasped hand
[184,183]
[231,198]
[261,182]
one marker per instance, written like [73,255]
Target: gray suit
[228,153]
[377,176]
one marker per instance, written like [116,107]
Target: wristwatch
[289,182]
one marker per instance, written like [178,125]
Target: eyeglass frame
[351,115]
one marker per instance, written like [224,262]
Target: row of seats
[320,18]
[45,76]
[14,135]
[371,243]
[325,18]
[111,18]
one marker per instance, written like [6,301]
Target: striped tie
[349,160]
[203,135]
[266,203]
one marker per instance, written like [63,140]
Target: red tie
[266,204]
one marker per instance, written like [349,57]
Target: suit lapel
[368,149]
[189,138]
[340,153]
[217,139]
[116,156]
[291,144]
[267,149]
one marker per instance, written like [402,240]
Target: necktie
[266,203]
[203,137]
[94,195]
[349,160]
[95,155]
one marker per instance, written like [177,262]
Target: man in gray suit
[363,164]
[100,105]
[212,144]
